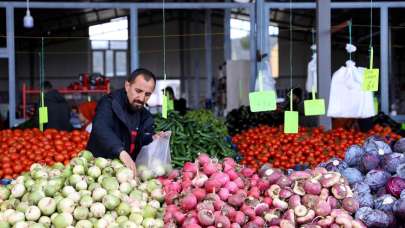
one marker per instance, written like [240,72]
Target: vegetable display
[310,146]
[19,149]
[86,193]
[208,193]
[374,172]
[196,132]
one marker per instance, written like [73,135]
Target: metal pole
[11,65]
[339,5]
[141,5]
[208,55]
[227,35]
[252,44]
[134,38]
[181,24]
[323,21]
[384,55]
[260,29]
[196,62]
[266,31]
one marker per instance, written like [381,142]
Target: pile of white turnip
[87,193]
[208,193]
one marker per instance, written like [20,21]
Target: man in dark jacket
[58,109]
[122,125]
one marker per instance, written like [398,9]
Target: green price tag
[314,107]
[170,105]
[43,115]
[164,106]
[262,101]
[290,122]
[371,79]
[403,126]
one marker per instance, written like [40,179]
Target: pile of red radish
[211,194]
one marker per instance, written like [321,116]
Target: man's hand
[161,134]
[128,162]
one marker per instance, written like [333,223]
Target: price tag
[371,79]
[290,122]
[43,115]
[164,106]
[314,107]
[170,105]
[262,101]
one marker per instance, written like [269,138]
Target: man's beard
[136,106]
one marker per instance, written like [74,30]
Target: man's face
[139,92]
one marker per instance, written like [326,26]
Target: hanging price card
[43,115]
[370,80]
[164,106]
[170,105]
[314,107]
[262,101]
[290,122]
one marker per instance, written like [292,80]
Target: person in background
[122,125]
[86,113]
[58,109]
[296,99]
[74,118]
[180,104]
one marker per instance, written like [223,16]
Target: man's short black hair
[147,74]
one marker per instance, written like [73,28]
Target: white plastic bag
[311,83]
[155,157]
[347,99]
[268,81]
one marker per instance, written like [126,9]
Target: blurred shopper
[178,105]
[58,109]
[86,113]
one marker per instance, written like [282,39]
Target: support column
[252,45]
[11,65]
[208,55]
[227,35]
[181,55]
[266,31]
[384,55]
[323,21]
[261,30]
[133,38]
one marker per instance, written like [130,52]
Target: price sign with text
[370,80]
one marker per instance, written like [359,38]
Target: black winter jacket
[58,111]
[114,127]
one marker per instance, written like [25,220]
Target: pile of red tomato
[19,149]
[310,146]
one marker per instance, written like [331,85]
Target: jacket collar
[120,105]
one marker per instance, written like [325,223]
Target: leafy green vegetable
[196,132]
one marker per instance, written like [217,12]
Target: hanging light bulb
[28,19]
